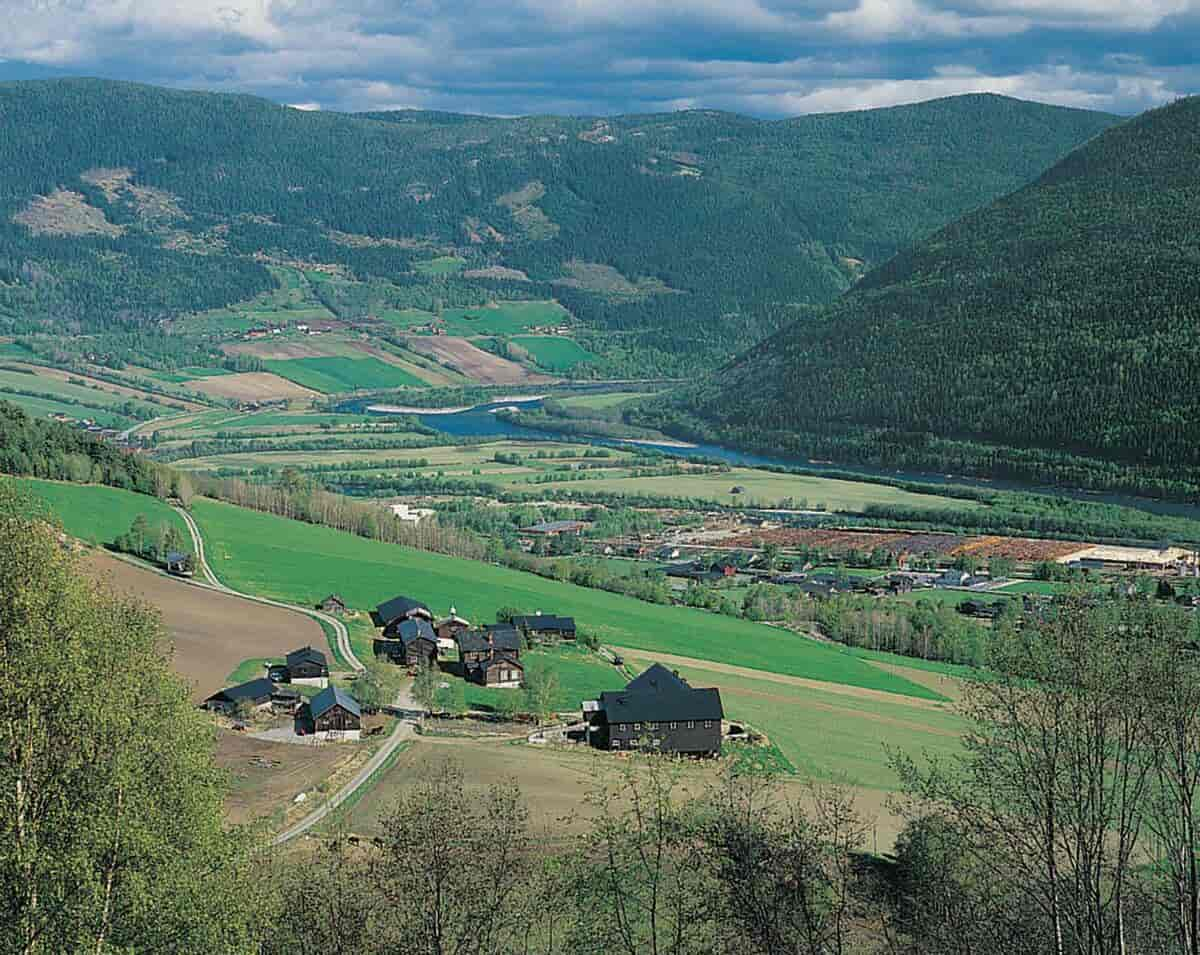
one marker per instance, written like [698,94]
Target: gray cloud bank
[767,58]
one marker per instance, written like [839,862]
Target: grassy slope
[554,352]
[100,514]
[337,374]
[301,563]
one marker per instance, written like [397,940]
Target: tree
[541,690]
[455,887]
[770,555]
[425,685]
[111,829]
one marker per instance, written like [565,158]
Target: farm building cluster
[331,715]
[488,655]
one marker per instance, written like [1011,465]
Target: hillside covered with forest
[1054,335]
[674,240]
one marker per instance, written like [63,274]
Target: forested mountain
[675,240]
[1063,320]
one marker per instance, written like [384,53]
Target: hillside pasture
[553,352]
[503,318]
[301,563]
[99,515]
[252,386]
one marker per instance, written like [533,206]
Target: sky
[767,58]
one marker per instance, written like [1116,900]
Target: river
[482,421]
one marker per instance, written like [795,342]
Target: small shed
[180,564]
[333,604]
[307,666]
[255,694]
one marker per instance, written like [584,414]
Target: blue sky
[768,58]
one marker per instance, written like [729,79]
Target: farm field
[301,563]
[251,386]
[762,488]
[44,407]
[83,398]
[606,400]
[580,675]
[503,318]
[825,734]
[471,361]
[334,374]
[97,514]
[442,265]
[212,633]
[265,777]
[553,352]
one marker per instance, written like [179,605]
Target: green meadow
[442,265]
[99,514]
[553,352]
[334,374]
[503,318]
[301,563]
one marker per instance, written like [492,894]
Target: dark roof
[334,598]
[504,637]
[306,655]
[176,557]
[552,527]
[259,689]
[396,608]
[622,706]
[330,696]
[472,641]
[657,678]
[495,658]
[410,631]
[544,621]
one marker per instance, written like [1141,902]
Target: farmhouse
[450,627]
[333,604]
[391,613]
[180,564]
[412,644]
[657,711]
[491,657]
[332,713]
[306,666]
[254,694]
[542,627]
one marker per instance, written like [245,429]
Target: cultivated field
[212,633]
[553,352]
[252,386]
[473,362]
[335,374]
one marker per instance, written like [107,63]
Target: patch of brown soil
[268,776]
[65,213]
[475,363]
[949,686]
[496,272]
[251,386]
[212,633]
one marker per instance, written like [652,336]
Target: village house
[333,714]
[333,604]
[658,711]
[410,515]
[491,657]
[540,627]
[391,613]
[500,670]
[180,564]
[306,666]
[252,695]
[448,628]
[411,643]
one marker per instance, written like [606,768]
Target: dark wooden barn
[658,712]
[541,628]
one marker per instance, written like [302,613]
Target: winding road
[404,707]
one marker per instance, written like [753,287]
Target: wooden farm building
[391,613]
[332,713]
[557,528]
[333,604]
[410,643]
[180,564]
[657,711]
[542,627]
[451,626]
[491,657]
[255,694]
[306,666]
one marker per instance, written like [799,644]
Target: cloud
[767,57]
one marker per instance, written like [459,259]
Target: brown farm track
[475,363]
[907,542]
[211,632]
[251,386]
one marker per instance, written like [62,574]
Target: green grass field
[98,514]
[442,265]
[43,407]
[553,352]
[302,563]
[337,373]
[503,318]
[606,400]
[578,673]
[763,488]
[66,393]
